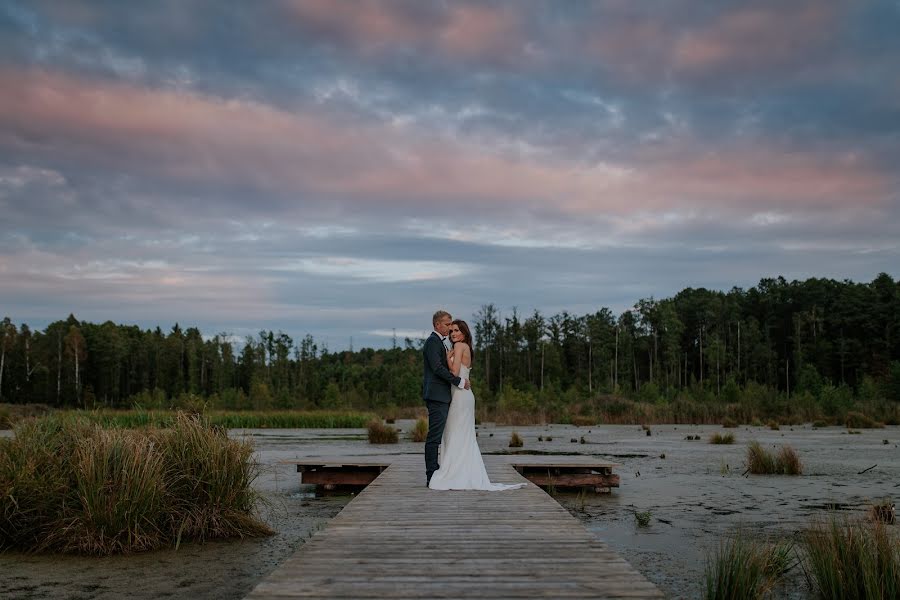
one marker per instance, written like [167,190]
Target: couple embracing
[452,457]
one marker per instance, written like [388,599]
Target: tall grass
[68,485]
[858,420]
[722,438]
[229,419]
[420,430]
[744,569]
[762,462]
[850,560]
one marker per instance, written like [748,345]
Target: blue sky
[345,168]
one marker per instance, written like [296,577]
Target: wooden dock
[399,539]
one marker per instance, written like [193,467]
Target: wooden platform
[399,539]
[575,472]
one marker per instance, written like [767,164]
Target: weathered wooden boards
[582,472]
[398,539]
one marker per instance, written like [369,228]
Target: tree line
[790,337]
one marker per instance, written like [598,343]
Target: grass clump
[420,430]
[515,440]
[852,560]
[722,438]
[857,420]
[642,518]
[773,425]
[762,462]
[743,569]
[67,485]
[379,433]
[729,423]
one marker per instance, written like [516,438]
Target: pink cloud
[753,37]
[459,31]
[311,154]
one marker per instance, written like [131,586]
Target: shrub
[379,433]
[5,418]
[857,420]
[722,438]
[515,440]
[642,518]
[773,425]
[68,485]
[729,423]
[852,559]
[420,430]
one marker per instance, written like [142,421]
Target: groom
[436,381]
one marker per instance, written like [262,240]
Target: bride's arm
[456,358]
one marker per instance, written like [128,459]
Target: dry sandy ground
[696,495]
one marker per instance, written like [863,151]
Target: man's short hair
[438,316]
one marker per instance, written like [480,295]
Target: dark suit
[436,382]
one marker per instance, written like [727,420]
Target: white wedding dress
[461,465]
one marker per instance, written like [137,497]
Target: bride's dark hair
[467,335]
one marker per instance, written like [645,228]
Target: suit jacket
[436,375]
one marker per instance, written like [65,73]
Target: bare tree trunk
[58,366]
[701,357]
[2,363]
[616,372]
[542,366]
[590,368]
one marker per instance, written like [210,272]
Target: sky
[345,168]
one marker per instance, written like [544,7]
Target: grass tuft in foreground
[762,462]
[379,433]
[67,485]
[743,569]
[852,559]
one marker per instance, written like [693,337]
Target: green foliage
[853,560]
[743,569]
[642,518]
[513,400]
[649,392]
[67,485]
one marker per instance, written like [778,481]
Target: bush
[773,425]
[515,440]
[722,438]
[856,420]
[67,485]
[420,430]
[379,433]
[852,559]
[5,418]
[729,423]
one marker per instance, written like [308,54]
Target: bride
[461,465]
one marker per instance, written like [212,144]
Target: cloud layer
[342,168]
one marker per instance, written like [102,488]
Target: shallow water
[696,494]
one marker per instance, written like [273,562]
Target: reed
[858,420]
[68,485]
[287,419]
[762,462]
[420,430]
[515,440]
[722,438]
[744,569]
[852,559]
[379,433]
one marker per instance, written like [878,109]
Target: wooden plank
[399,539]
[574,479]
